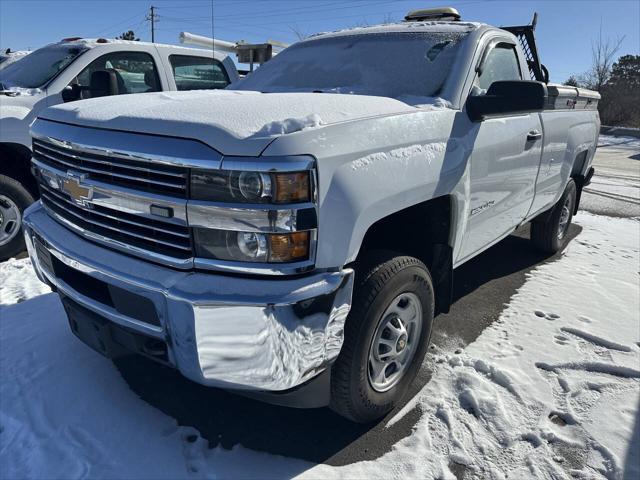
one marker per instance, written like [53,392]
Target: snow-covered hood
[232,122]
[19,103]
[16,114]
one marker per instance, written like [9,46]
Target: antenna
[213,32]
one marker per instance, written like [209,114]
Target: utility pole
[152,16]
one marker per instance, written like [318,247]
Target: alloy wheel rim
[10,220]
[395,342]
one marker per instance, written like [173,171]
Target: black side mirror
[508,98]
[71,93]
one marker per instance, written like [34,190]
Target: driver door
[504,161]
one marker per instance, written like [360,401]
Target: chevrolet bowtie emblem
[80,194]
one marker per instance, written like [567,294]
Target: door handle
[534,135]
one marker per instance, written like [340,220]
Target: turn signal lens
[292,187]
[288,247]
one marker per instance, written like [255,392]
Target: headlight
[254,186]
[250,187]
[244,218]
[251,246]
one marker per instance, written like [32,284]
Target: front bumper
[249,334]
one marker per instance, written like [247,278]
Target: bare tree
[572,81]
[603,51]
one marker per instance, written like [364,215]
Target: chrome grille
[148,234]
[140,175]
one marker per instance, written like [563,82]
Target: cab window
[198,73]
[501,64]
[135,72]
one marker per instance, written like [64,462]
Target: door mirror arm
[72,92]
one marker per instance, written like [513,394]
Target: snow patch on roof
[440,27]
[97,42]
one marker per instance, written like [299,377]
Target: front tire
[14,199]
[549,233]
[386,336]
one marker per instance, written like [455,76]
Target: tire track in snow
[592,367]
[596,340]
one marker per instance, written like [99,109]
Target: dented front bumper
[252,334]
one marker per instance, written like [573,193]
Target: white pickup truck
[74,69]
[291,239]
[8,57]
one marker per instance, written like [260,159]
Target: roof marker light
[442,13]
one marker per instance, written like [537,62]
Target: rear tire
[393,294]
[549,232]
[14,199]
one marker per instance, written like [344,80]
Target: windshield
[389,64]
[36,69]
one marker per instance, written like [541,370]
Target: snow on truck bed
[551,390]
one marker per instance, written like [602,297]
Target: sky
[566,28]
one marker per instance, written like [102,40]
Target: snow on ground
[608,140]
[615,187]
[551,390]
[18,282]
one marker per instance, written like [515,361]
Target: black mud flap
[582,182]
[587,179]
[442,274]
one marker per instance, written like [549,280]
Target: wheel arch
[423,231]
[15,162]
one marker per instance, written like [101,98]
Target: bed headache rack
[525,35]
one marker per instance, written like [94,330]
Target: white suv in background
[76,69]
[8,57]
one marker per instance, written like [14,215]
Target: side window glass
[133,72]
[501,64]
[198,73]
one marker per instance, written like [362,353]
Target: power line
[294,10]
[121,22]
[304,10]
[233,25]
[206,3]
